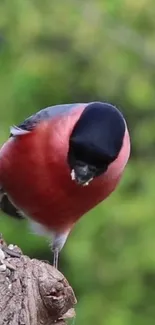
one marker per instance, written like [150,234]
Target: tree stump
[32,292]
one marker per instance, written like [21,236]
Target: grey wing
[46,113]
[7,207]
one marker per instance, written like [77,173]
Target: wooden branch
[32,292]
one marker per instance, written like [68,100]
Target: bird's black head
[95,142]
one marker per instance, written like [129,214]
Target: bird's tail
[7,206]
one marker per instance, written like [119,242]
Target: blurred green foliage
[67,51]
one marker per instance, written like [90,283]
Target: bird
[61,162]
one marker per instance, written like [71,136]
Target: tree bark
[32,292]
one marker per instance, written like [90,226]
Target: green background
[55,52]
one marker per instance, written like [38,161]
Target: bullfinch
[60,163]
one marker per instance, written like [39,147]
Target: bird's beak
[82,175]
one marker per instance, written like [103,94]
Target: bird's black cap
[96,141]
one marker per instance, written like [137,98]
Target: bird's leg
[55,257]
[58,242]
